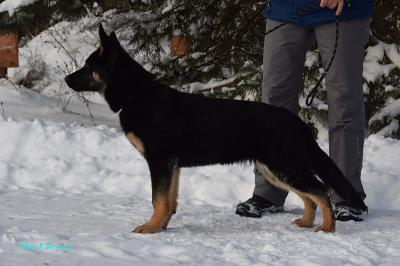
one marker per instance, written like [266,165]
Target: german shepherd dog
[172,129]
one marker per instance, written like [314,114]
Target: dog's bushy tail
[332,176]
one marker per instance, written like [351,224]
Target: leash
[311,95]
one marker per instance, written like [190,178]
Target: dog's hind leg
[329,222]
[161,180]
[305,184]
[315,192]
[309,212]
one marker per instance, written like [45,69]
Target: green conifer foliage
[227,46]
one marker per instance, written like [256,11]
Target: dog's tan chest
[136,141]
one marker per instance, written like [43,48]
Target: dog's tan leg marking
[328,219]
[137,142]
[159,217]
[173,194]
[309,212]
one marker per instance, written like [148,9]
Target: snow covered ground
[70,193]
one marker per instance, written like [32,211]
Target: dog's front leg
[173,194]
[161,179]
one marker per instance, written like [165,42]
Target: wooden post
[8,51]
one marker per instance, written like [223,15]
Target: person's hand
[333,4]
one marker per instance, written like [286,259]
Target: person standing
[284,56]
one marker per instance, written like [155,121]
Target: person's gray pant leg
[345,95]
[284,56]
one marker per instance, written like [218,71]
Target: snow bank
[21,103]
[86,188]
[65,158]
[55,157]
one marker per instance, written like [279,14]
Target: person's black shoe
[345,213]
[256,207]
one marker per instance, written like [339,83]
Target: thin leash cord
[311,95]
[294,17]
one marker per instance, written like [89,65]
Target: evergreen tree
[31,19]
[384,92]
[226,45]
[226,37]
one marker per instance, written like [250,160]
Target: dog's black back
[195,130]
[176,129]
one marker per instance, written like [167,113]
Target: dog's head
[112,72]
[96,74]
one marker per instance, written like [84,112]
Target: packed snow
[70,195]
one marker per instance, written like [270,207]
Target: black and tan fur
[172,129]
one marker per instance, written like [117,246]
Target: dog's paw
[326,229]
[147,228]
[302,223]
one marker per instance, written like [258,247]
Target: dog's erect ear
[108,41]
[113,36]
[114,40]
[104,39]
